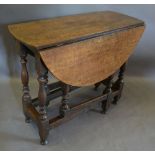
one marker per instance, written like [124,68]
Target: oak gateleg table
[78,50]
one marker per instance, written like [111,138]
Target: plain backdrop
[127,126]
[142,62]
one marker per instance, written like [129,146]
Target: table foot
[43,142]
[105,107]
[116,99]
[27,120]
[103,112]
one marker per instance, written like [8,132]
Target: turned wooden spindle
[47,88]
[26,98]
[108,91]
[42,95]
[43,122]
[119,83]
[64,107]
[89,52]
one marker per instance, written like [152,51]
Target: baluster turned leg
[119,83]
[64,107]
[47,89]
[108,91]
[26,98]
[43,123]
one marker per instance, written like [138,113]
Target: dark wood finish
[108,91]
[63,62]
[55,85]
[97,85]
[26,98]
[33,113]
[74,110]
[104,82]
[53,93]
[119,83]
[64,107]
[43,122]
[64,30]
[79,50]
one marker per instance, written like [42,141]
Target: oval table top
[57,31]
[83,49]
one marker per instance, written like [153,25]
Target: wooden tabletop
[53,32]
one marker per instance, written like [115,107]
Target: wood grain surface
[88,62]
[57,31]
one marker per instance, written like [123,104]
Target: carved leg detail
[46,86]
[119,83]
[64,107]
[43,122]
[26,98]
[108,91]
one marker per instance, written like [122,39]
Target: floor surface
[128,126]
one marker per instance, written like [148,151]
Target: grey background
[141,63]
[127,126]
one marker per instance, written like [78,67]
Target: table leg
[108,90]
[119,83]
[26,98]
[64,107]
[43,122]
[47,88]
